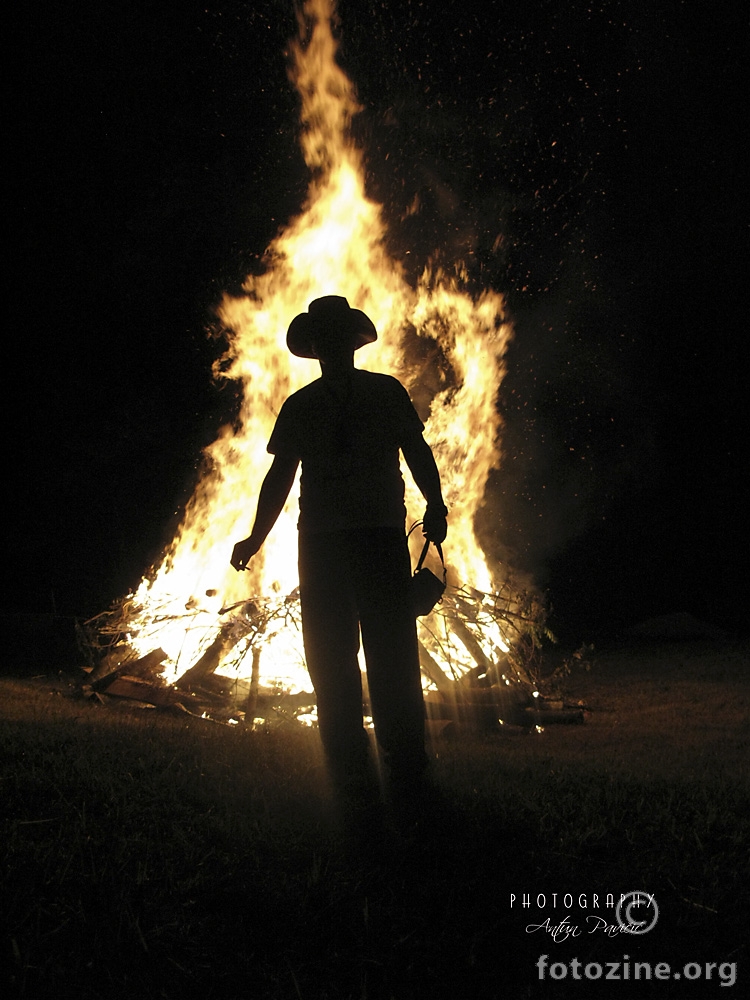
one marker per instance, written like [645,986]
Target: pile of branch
[481,654]
[119,674]
[485,683]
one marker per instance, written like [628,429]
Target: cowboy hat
[333,314]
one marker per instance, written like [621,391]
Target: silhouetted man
[347,429]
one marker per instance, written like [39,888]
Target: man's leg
[389,636]
[330,630]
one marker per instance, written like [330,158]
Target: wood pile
[481,691]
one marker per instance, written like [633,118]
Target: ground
[146,854]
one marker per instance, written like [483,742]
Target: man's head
[329,330]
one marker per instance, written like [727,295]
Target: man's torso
[348,439]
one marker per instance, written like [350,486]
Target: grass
[148,855]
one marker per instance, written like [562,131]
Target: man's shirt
[349,444]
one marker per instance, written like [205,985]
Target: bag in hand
[426,588]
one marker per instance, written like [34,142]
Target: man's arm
[421,462]
[271,500]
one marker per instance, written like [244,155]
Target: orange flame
[335,246]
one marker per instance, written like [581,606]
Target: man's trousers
[352,581]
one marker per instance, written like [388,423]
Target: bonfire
[193,623]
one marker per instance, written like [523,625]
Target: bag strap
[425,548]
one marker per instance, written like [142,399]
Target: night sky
[585,159]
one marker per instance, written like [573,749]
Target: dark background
[586,159]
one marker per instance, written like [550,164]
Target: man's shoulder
[380,382]
[364,380]
[308,393]
[378,377]
[369,388]
[311,388]
[390,399]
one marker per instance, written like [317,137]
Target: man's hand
[273,493]
[243,552]
[435,524]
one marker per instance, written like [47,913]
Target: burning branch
[480,655]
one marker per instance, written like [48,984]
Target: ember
[217,630]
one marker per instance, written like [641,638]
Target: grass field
[151,855]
